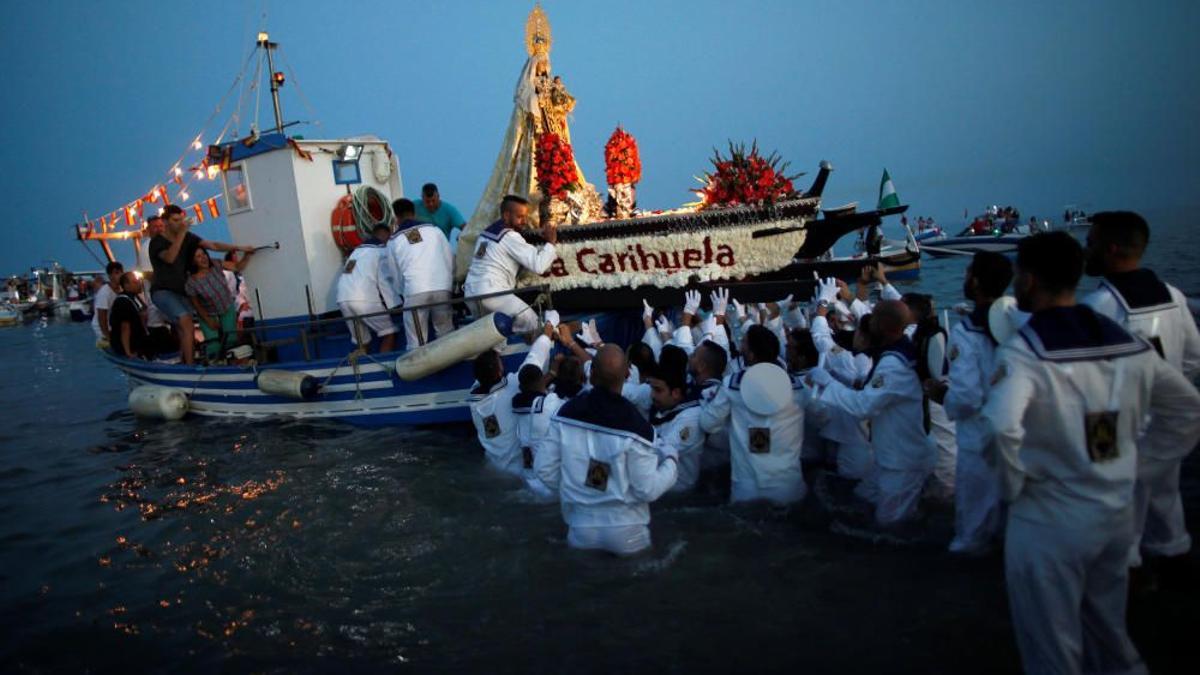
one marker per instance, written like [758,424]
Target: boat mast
[264,41]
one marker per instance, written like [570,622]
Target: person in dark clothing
[126,324]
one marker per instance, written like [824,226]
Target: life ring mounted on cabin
[356,215]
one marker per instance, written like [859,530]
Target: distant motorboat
[997,231]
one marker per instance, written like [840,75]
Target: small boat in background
[9,315]
[998,230]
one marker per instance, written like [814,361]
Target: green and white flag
[887,193]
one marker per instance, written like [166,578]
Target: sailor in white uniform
[367,285]
[492,404]
[766,427]
[891,400]
[676,414]
[501,252]
[1136,299]
[606,463]
[1069,394]
[706,367]
[424,268]
[978,516]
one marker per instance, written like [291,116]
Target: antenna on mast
[277,78]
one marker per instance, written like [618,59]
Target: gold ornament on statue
[537,33]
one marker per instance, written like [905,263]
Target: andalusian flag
[887,193]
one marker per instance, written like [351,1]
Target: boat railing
[312,328]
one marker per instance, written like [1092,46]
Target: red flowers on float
[622,164]
[745,178]
[555,164]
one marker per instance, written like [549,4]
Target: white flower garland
[670,260]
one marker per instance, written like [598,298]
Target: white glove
[552,318]
[827,290]
[663,326]
[720,301]
[691,302]
[819,377]
[588,334]
[647,310]
[740,309]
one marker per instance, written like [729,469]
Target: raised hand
[720,301]
[663,325]
[691,302]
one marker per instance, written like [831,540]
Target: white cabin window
[237,189]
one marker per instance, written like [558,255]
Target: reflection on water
[207,544]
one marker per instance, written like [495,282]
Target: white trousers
[618,539]
[977,509]
[523,316]
[941,428]
[1067,591]
[379,325]
[854,460]
[1159,527]
[899,492]
[443,318]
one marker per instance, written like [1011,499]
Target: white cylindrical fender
[465,343]
[150,400]
[287,383]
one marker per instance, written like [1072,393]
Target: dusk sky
[1035,104]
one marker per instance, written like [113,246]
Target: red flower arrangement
[745,178]
[622,164]
[555,163]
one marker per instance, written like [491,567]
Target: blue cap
[504,323]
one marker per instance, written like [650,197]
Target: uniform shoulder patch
[597,475]
[685,433]
[1101,428]
[482,250]
[759,440]
[349,266]
[837,350]
[413,235]
[954,352]
[877,383]
[491,426]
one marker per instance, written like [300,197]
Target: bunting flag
[199,213]
[129,219]
[162,192]
[211,203]
[178,180]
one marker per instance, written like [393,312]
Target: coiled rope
[371,208]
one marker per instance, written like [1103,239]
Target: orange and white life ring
[345,228]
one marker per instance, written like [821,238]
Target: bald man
[604,459]
[891,401]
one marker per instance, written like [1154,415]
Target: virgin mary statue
[540,103]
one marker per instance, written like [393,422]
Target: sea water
[287,546]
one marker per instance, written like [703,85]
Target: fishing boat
[9,315]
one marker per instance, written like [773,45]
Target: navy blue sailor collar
[606,412]
[495,231]
[691,400]
[478,390]
[1139,289]
[407,224]
[525,403]
[1077,333]
[371,242]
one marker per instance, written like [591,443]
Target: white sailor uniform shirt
[764,451]
[1153,310]
[421,257]
[972,360]
[1068,396]
[601,457]
[500,254]
[492,413]
[368,276]
[681,426]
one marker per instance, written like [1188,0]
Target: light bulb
[184,195]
